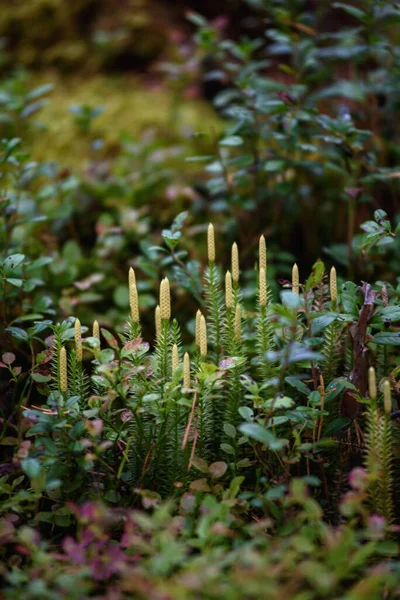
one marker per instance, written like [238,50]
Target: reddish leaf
[8,358]
[218,469]
[200,485]
[109,338]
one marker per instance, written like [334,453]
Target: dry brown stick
[189,425]
[322,387]
[196,435]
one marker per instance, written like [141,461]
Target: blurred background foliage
[263,116]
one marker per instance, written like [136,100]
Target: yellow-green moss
[129,106]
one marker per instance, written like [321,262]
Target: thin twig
[189,424]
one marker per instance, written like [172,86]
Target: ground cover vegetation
[199,362]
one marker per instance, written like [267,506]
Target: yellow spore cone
[186,371]
[133,296]
[387,397]
[96,330]
[157,318]
[198,317]
[333,285]
[203,337]
[235,262]
[372,390]
[211,243]
[295,279]
[385,296]
[78,339]
[165,300]
[262,251]
[238,323]
[263,287]
[63,371]
[228,290]
[175,358]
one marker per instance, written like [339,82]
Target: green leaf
[72,252]
[317,273]
[179,221]
[320,323]
[204,158]
[196,19]
[171,238]
[230,430]
[9,441]
[297,384]
[31,467]
[278,403]
[273,166]
[39,378]
[40,90]
[371,227]
[385,313]
[263,435]
[121,296]
[106,355]
[246,413]
[387,338]
[18,333]
[290,299]
[357,13]
[349,298]
[39,262]
[298,352]
[200,464]
[337,425]
[232,140]
[12,262]
[14,281]
[31,317]
[385,240]
[227,448]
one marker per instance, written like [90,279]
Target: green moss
[129,106]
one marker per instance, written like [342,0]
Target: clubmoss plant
[78,378]
[379,450]
[213,297]
[265,333]
[167,413]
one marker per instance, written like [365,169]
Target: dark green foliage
[273,474]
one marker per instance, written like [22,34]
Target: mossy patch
[130,106]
